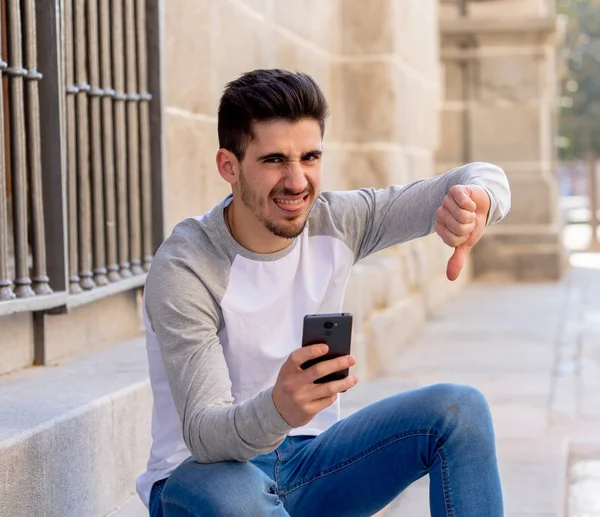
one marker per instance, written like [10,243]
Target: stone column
[498,60]
[384,131]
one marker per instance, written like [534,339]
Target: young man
[239,428]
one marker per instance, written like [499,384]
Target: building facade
[110,132]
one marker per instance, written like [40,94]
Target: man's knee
[229,489]
[463,407]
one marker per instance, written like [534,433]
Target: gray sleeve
[185,317]
[369,220]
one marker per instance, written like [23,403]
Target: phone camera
[328,325]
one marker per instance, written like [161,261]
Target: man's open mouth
[291,203]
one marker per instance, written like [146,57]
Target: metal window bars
[108,170]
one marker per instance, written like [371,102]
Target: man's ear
[228,165]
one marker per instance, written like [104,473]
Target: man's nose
[295,179]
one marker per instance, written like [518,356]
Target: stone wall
[378,67]
[500,81]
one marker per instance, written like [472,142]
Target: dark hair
[263,95]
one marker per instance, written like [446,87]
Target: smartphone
[335,330]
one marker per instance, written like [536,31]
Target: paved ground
[534,351]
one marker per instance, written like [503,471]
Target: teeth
[289,201]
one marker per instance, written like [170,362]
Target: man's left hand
[461,221]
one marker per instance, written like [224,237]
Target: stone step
[73,437]
[133,507]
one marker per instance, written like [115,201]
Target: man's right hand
[297,398]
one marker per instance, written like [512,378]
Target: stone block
[447,10]
[262,7]
[215,188]
[418,165]
[453,80]
[240,42]
[533,200]
[438,255]
[16,342]
[417,111]
[376,168]
[498,9]
[374,282]
[452,136]
[288,54]
[319,68]
[439,290]
[498,132]
[507,257]
[314,20]
[411,264]
[418,264]
[92,326]
[509,78]
[370,99]
[396,282]
[385,279]
[188,45]
[358,299]
[193,183]
[416,26]
[335,125]
[331,176]
[359,351]
[394,328]
[369,31]
[78,451]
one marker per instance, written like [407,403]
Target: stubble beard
[257,206]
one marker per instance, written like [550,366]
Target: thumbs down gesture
[460,223]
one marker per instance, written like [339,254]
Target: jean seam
[178,505]
[158,486]
[358,457]
[446,482]
[276,471]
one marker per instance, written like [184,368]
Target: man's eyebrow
[270,156]
[282,156]
[316,152]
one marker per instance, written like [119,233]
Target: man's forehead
[283,133]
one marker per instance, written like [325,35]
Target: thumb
[457,261]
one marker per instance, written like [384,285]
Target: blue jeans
[356,467]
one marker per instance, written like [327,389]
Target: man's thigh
[363,462]
[236,489]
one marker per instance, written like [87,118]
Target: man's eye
[273,160]
[311,158]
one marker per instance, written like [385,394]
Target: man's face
[280,174]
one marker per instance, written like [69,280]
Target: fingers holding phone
[313,376]
[296,395]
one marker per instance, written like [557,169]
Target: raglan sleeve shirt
[370,220]
[186,317]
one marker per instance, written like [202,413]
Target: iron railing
[89,176]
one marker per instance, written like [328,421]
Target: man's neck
[251,233]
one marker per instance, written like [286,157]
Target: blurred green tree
[579,115]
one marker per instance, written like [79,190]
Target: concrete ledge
[91,326]
[133,507]
[74,437]
[546,25]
